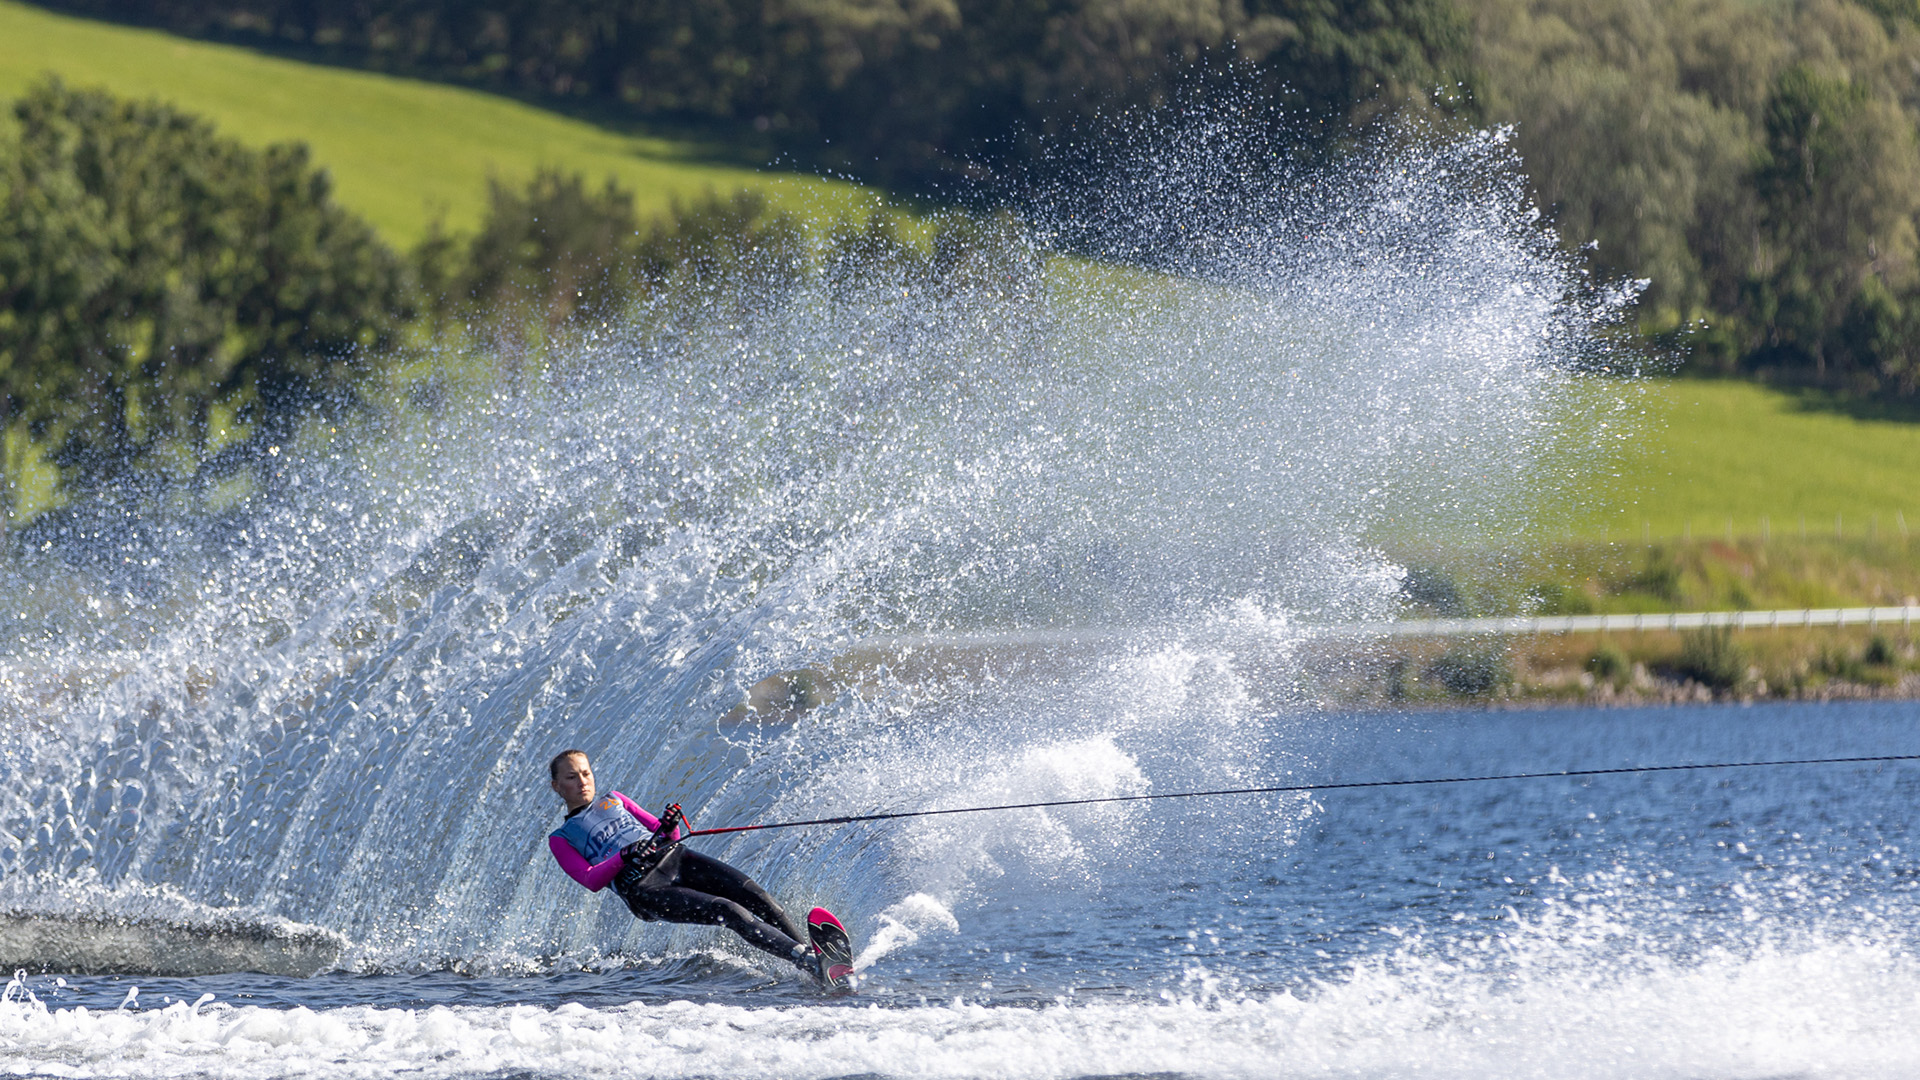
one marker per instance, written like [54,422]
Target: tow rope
[1279,789]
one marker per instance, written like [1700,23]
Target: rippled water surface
[1750,922]
[1031,528]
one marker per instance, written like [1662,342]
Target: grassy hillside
[1702,455]
[1706,455]
[400,150]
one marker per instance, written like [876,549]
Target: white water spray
[334,707]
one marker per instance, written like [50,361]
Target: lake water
[1722,923]
[1029,528]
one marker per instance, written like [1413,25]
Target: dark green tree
[150,270]
[1839,180]
[902,91]
[713,237]
[551,254]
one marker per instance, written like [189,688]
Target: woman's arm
[595,876]
[652,823]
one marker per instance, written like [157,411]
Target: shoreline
[1630,670]
[1664,693]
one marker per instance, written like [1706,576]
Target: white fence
[1903,616]
[1680,620]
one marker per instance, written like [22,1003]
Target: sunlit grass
[1696,458]
[1702,458]
[401,151]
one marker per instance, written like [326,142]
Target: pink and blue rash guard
[587,845]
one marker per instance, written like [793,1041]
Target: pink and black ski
[830,940]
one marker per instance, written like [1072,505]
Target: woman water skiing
[611,840]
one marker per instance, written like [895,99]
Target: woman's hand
[670,821]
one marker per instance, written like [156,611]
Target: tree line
[174,305]
[1755,163]
[172,302]
[900,92]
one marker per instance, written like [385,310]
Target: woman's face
[574,782]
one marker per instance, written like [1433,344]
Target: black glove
[642,855]
[637,860]
[670,820]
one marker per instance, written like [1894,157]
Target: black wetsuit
[665,882]
[688,887]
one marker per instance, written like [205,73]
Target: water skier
[612,841]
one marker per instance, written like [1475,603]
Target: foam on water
[1845,1008]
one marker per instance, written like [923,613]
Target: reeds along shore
[1656,666]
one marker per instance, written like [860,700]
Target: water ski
[830,940]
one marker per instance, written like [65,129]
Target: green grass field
[1701,457]
[401,151]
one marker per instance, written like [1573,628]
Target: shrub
[1840,662]
[1552,598]
[1431,588]
[1711,657]
[723,236]
[1880,652]
[1472,670]
[1661,577]
[1399,679]
[1610,663]
[559,254]
[1871,665]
